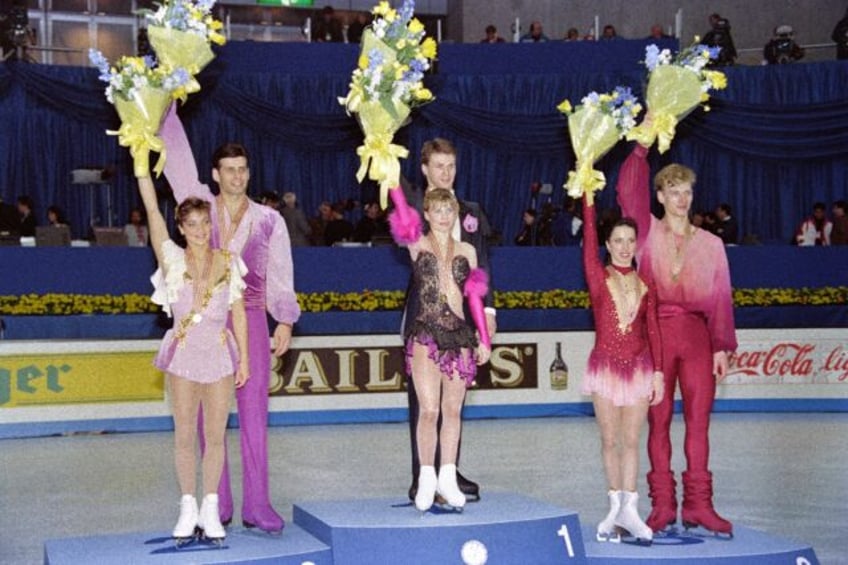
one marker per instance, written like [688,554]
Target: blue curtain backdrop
[775,141]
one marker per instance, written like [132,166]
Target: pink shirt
[261,239]
[702,285]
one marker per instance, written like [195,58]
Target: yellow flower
[428,47]
[717,79]
[390,16]
[423,94]
[565,107]
[363,61]
[415,26]
[401,43]
[381,9]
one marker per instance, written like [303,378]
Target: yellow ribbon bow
[585,179]
[380,158]
[662,129]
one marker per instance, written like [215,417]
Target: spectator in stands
[782,48]
[270,199]
[839,233]
[527,235]
[357,26]
[27,223]
[567,227]
[338,229]
[373,224]
[697,219]
[572,34]
[719,36]
[296,222]
[328,28]
[840,36]
[55,216]
[726,226]
[535,35]
[492,35]
[815,229]
[8,218]
[609,33]
[136,229]
[657,33]
[710,222]
[319,223]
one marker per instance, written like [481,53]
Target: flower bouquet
[141,92]
[595,126]
[676,86]
[385,86]
[180,32]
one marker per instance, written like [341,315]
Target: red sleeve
[654,336]
[593,270]
[633,190]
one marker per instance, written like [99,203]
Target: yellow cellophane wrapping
[673,92]
[140,120]
[380,120]
[593,133]
[176,48]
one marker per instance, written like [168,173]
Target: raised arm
[593,270]
[633,190]
[180,167]
[155,222]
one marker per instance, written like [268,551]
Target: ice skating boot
[606,528]
[628,518]
[187,522]
[449,489]
[663,500]
[209,520]
[427,483]
[698,504]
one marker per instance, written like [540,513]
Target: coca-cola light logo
[787,362]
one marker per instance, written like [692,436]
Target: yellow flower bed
[393,300]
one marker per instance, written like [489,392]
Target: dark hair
[190,205]
[436,145]
[60,215]
[226,151]
[839,204]
[625,221]
[819,206]
[491,29]
[25,200]
[530,211]
[725,207]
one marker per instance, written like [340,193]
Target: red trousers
[687,360]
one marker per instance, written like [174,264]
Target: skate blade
[608,537]
[691,527]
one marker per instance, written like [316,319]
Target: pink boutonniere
[469,223]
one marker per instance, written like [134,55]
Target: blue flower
[652,54]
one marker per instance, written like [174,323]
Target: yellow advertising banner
[73,378]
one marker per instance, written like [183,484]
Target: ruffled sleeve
[167,283]
[237,272]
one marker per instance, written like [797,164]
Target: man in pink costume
[259,235]
[690,270]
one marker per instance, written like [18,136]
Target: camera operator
[719,36]
[840,36]
[782,48]
[15,33]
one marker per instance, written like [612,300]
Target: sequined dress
[624,358]
[450,340]
[201,350]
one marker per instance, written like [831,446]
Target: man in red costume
[690,270]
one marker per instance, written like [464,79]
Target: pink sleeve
[633,190]
[592,268]
[280,299]
[720,322]
[180,167]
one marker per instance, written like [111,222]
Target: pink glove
[476,287]
[404,220]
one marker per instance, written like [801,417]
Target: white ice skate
[426,488]
[628,519]
[209,521]
[607,532]
[186,529]
[448,489]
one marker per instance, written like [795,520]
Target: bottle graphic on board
[559,370]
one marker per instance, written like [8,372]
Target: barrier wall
[49,388]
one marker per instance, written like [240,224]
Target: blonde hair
[440,196]
[673,175]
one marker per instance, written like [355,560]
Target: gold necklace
[443,261]
[200,286]
[227,235]
[627,306]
